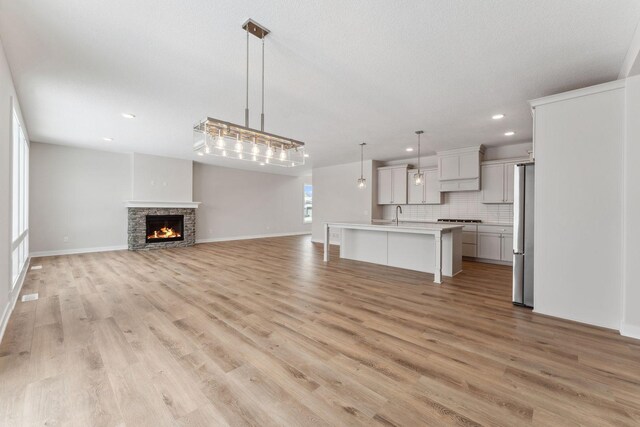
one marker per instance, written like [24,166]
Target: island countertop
[420,228]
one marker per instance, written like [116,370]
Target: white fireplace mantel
[152,204]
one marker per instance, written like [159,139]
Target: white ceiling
[337,72]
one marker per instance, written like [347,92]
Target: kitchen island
[430,248]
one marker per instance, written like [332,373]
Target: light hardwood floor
[262,332]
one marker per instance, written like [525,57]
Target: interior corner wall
[579,205]
[336,196]
[77,199]
[239,204]
[631,286]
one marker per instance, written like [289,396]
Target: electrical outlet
[65,239]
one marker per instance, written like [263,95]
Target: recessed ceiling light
[261,164]
[497,116]
[200,153]
[306,154]
[128,116]
[107,139]
[409,149]
[510,133]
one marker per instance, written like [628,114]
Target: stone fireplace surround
[137,225]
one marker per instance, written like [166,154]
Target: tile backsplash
[459,205]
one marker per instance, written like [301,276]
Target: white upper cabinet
[399,182]
[469,165]
[392,185]
[449,167]
[385,190]
[497,181]
[428,193]
[432,194]
[493,188]
[459,170]
[415,192]
[509,178]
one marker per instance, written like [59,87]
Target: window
[308,199]
[20,199]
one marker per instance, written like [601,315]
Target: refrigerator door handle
[518,209]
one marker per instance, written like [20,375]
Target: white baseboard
[632,331]
[78,251]
[13,298]
[322,242]
[252,236]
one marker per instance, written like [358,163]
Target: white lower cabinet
[495,246]
[469,241]
[489,246]
[507,248]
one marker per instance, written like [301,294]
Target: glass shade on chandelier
[362,183]
[218,138]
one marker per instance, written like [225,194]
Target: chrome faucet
[398,208]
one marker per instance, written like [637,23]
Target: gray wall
[578,212]
[336,196]
[79,194]
[631,186]
[161,179]
[238,203]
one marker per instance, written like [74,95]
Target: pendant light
[362,183]
[418,177]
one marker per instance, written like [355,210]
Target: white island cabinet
[431,248]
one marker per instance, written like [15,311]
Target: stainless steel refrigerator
[523,202]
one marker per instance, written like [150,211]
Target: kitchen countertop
[431,221]
[420,228]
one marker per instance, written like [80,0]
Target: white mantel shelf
[152,204]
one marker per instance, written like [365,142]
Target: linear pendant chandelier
[224,139]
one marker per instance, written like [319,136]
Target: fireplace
[160,225]
[164,228]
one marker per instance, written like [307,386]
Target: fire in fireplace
[164,228]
